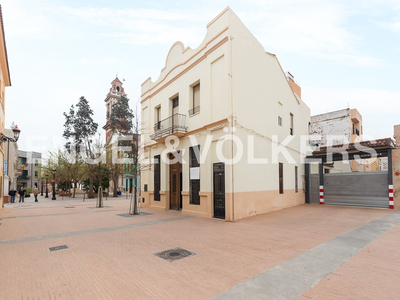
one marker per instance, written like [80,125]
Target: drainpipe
[233,173]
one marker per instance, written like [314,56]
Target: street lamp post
[7,139]
[41,190]
[47,191]
[54,184]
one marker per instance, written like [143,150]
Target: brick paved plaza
[111,255]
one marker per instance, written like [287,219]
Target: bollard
[99,203]
[135,212]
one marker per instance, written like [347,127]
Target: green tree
[121,116]
[79,128]
[101,174]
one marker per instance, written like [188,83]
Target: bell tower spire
[113,96]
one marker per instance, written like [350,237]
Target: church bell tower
[113,96]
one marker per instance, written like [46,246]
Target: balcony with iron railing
[23,177]
[175,124]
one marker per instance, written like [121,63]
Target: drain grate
[174,254]
[128,215]
[58,248]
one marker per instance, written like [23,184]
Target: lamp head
[16,133]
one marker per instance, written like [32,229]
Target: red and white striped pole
[391,202]
[321,194]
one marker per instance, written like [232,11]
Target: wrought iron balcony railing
[194,110]
[173,124]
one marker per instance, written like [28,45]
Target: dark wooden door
[175,184]
[219,190]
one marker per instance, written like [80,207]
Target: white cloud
[143,26]
[25,19]
[100,60]
[395,27]
[311,28]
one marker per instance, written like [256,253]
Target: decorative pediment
[174,56]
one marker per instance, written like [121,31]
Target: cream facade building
[4,82]
[220,111]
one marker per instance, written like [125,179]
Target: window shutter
[196,96]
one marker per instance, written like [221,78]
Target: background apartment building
[231,106]
[30,165]
[342,126]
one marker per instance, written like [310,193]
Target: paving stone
[111,257]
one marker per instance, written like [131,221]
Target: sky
[342,54]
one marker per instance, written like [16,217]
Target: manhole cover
[174,254]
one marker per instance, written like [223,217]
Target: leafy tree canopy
[79,124]
[105,179]
[121,116]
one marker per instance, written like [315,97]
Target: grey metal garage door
[358,189]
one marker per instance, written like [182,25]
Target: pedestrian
[12,194]
[35,193]
[21,193]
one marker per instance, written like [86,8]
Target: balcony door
[175,105]
[175,111]
[175,178]
[158,119]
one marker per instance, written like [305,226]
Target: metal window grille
[157,179]
[280,178]
[194,111]
[194,184]
[377,164]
